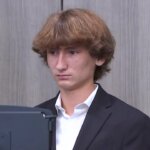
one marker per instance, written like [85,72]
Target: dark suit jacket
[110,124]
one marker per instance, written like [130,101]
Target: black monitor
[24,128]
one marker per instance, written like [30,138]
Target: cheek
[50,63]
[50,60]
[90,66]
[84,66]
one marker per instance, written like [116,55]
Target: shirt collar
[86,103]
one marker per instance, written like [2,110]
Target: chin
[66,86]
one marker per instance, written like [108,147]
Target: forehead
[69,47]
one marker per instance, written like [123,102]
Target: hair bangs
[67,33]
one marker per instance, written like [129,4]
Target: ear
[99,62]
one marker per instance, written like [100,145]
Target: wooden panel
[23,78]
[129,22]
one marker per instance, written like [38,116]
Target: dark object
[24,128]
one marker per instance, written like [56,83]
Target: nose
[61,64]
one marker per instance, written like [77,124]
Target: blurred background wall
[26,81]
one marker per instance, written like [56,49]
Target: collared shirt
[68,127]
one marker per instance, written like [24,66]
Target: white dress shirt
[68,127]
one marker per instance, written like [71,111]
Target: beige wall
[24,80]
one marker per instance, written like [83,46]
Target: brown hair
[77,27]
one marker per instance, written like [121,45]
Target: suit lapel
[97,115]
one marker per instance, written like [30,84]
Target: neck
[71,98]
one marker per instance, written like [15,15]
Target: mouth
[63,76]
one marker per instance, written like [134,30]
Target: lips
[63,76]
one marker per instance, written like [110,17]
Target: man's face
[72,67]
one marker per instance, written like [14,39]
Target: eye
[53,51]
[72,50]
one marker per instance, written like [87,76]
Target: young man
[77,46]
